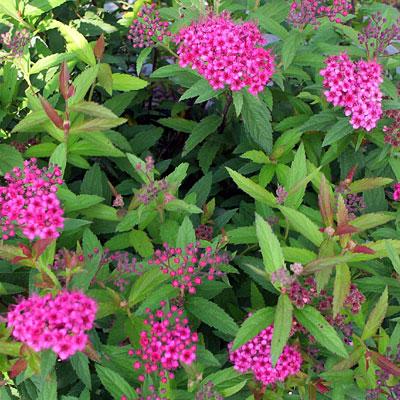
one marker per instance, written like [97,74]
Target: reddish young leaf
[18,367]
[51,113]
[99,47]
[363,249]
[63,81]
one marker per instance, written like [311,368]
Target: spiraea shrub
[199,200]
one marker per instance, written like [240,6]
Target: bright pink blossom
[58,323]
[255,357]
[356,87]
[29,202]
[226,53]
[167,344]
[189,267]
[396,194]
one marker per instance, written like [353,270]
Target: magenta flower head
[255,357]
[396,193]
[355,86]
[189,267]
[58,323]
[226,53]
[29,203]
[148,29]
[167,344]
[15,42]
[303,12]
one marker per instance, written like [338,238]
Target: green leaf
[202,89]
[114,383]
[93,109]
[9,8]
[322,331]
[338,131]
[186,234]
[142,58]
[80,364]
[178,205]
[376,317]
[38,7]
[59,156]
[252,189]
[290,46]
[76,42]
[341,287]
[237,98]
[282,326]
[269,245]
[298,172]
[97,125]
[9,158]
[50,61]
[372,220]
[178,124]
[256,118]
[82,83]
[302,224]
[201,131]
[145,285]
[126,82]
[253,325]
[212,315]
[393,255]
[368,184]
[141,243]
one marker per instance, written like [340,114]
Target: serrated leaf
[186,233]
[126,82]
[141,243]
[377,316]
[269,245]
[201,131]
[368,184]
[322,331]
[212,315]
[393,255]
[145,285]
[114,383]
[256,118]
[290,46]
[338,131]
[302,224]
[50,61]
[282,326]
[252,189]
[80,364]
[76,42]
[253,325]
[142,58]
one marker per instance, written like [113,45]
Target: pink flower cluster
[148,29]
[226,53]
[29,202]
[308,11]
[354,86]
[189,267]
[16,42]
[58,323]
[168,343]
[396,193]
[255,357]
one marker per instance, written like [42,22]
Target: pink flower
[396,194]
[255,357]
[356,87]
[190,266]
[226,53]
[168,343]
[58,323]
[29,202]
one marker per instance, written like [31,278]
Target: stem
[168,49]
[228,103]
